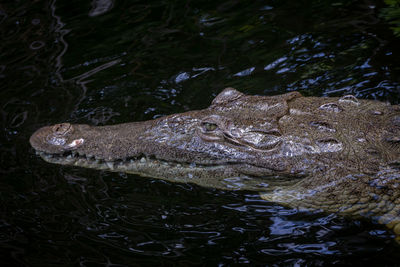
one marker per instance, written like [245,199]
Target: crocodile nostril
[61,129]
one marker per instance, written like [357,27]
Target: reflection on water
[99,7]
[104,61]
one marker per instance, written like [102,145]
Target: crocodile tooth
[110,165]
[70,160]
[143,160]
[69,156]
[78,162]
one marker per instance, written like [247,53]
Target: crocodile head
[238,137]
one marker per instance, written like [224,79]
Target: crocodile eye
[209,126]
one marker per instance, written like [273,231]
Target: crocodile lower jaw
[213,175]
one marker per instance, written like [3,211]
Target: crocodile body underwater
[328,153]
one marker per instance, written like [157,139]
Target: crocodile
[335,154]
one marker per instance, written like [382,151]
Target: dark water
[105,62]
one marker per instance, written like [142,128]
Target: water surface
[104,62]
